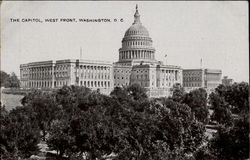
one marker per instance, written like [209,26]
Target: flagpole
[201,63]
[80,52]
[166,58]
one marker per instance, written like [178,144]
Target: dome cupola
[137,16]
[136,43]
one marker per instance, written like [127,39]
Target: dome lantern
[137,16]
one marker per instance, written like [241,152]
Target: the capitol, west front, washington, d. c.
[136,65]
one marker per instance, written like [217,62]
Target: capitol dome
[136,43]
[137,29]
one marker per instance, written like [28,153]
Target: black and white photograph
[124,80]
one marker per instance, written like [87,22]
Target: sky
[216,32]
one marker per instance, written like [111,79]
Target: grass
[11,101]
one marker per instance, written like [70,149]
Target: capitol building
[136,65]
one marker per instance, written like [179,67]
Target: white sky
[215,31]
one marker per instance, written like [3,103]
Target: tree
[204,153]
[232,139]
[59,137]
[232,143]
[222,113]
[161,131]
[237,96]
[228,100]
[178,93]
[120,94]
[78,129]
[97,125]
[12,81]
[133,97]
[44,106]
[137,92]
[191,132]
[197,101]
[20,133]
[68,96]
[4,76]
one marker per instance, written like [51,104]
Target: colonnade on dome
[136,54]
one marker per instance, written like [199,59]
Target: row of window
[48,84]
[166,84]
[192,84]
[146,71]
[94,67]
[45,75]
[141,76]
[122,71]
[169,71]
[37,69]
[134,32]
[191,73]
[93,71]
[192,78]
[170,78]
[95,76]
[39,84]
[95,84]
[135,43]
[118,77]
[62,67]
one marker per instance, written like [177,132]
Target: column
[53,76]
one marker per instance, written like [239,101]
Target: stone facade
[136,65]
[122,75]
[208,79]
[38,74]
[55,74]
[157,79]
